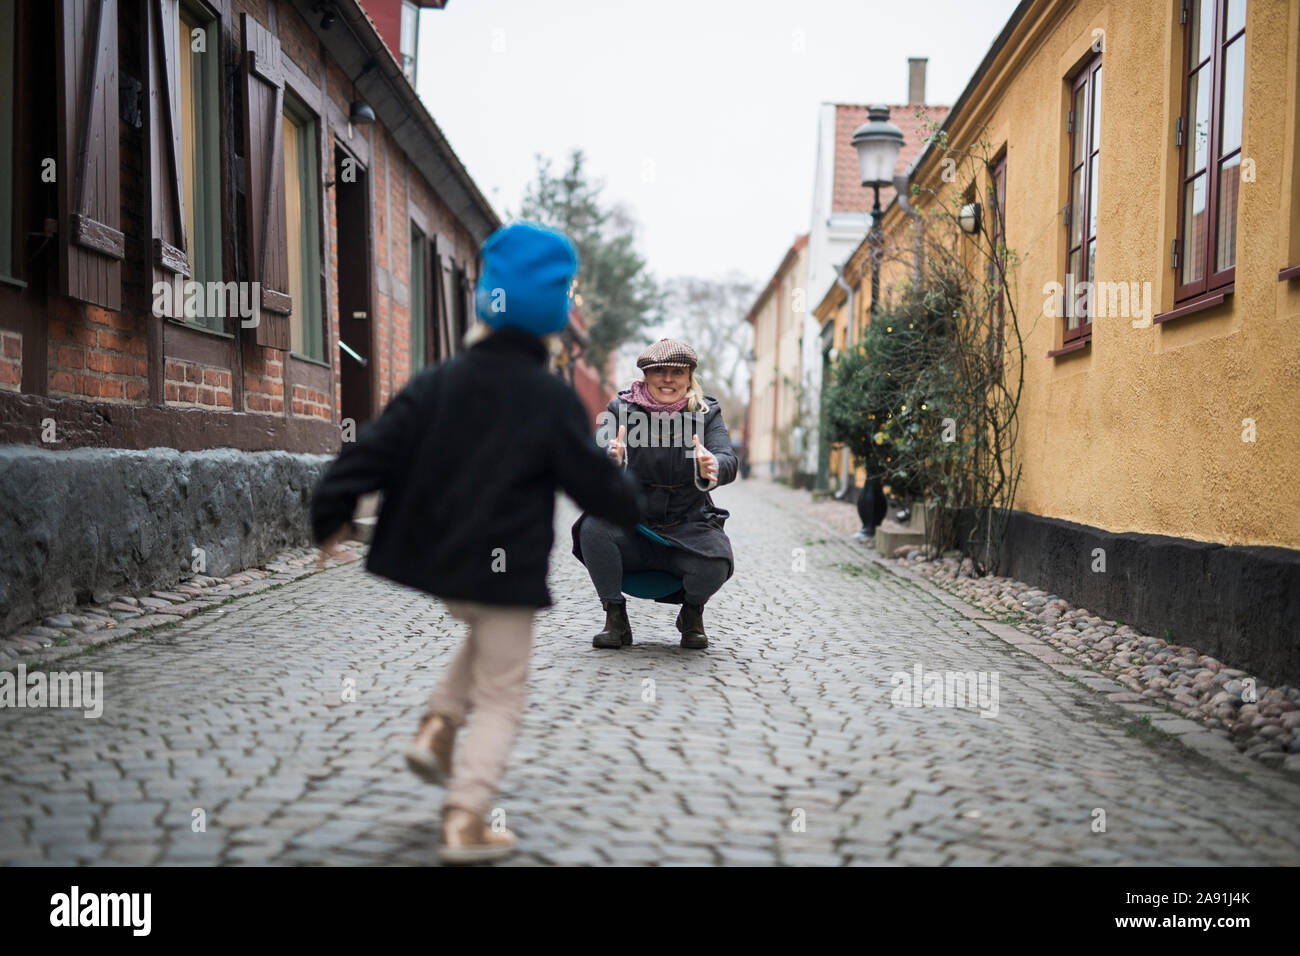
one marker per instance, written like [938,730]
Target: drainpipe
[902,184]
[846,472]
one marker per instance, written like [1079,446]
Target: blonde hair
[695,400]
[480,330]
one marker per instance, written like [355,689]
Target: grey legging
[609,551]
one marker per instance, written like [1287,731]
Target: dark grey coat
[677,505]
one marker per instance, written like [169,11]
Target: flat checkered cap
[668,352]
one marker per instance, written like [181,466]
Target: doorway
[352,245]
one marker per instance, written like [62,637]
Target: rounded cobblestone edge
[86,628]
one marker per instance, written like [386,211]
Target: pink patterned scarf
[638,394]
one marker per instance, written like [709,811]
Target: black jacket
[678,506]
[469,456]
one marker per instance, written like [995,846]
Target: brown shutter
[91,245]
[444,270]
[268,246]
[467,298]
[167,199]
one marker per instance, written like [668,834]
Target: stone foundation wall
[1238,604]
[81,525]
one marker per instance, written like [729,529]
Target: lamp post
[878,142]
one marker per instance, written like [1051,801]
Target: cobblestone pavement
[779,744]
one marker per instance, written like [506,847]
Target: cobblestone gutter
[1259,720]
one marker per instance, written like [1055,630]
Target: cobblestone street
[779,744]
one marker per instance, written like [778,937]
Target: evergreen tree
[619,296]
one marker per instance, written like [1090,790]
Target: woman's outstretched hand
[618,447]
[707,464]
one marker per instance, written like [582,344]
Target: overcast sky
[699,115]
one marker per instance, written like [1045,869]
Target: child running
[469,457]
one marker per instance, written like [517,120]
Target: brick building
[230,227]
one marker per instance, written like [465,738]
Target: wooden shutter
[91,245]
[166,195]
[444,271]
[467,297]
[268,245]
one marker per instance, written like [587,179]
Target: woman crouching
[672,439]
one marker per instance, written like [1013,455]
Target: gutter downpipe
[902,183]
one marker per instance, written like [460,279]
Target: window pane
[1092,196]
[1234,71]
[1077,212]
[1198,123]
[312,316]
[410,26]
[1080,123]
[1194,230]
[1236,17]
[1225,253]
[189,144]
[293,221]
[1092,261]
[1096,110]
[1202,27]
[1072,320]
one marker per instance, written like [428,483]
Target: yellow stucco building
[777,319]
[1147,148]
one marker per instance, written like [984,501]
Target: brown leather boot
[466,840]
[618,630]
[429,755]
[690,621]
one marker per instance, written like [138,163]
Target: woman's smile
[667,384]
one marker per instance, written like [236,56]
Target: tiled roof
[914,120]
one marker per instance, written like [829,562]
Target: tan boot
[429,755]
[466,840]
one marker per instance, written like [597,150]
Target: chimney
[916,79]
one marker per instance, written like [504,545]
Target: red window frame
[1209,63]
[1084,164]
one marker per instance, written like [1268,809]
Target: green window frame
[307,325]
[419,298]
[199,79]
[200,111]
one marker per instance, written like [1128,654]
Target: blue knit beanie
[527,275]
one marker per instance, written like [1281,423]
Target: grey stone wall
[82,525]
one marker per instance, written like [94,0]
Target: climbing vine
[928,398]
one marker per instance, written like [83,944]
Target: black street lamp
[878,142]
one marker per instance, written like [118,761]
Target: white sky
[700,115]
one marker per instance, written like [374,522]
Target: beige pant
[487,676]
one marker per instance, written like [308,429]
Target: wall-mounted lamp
[327,12]
[969,218]
[360,113]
